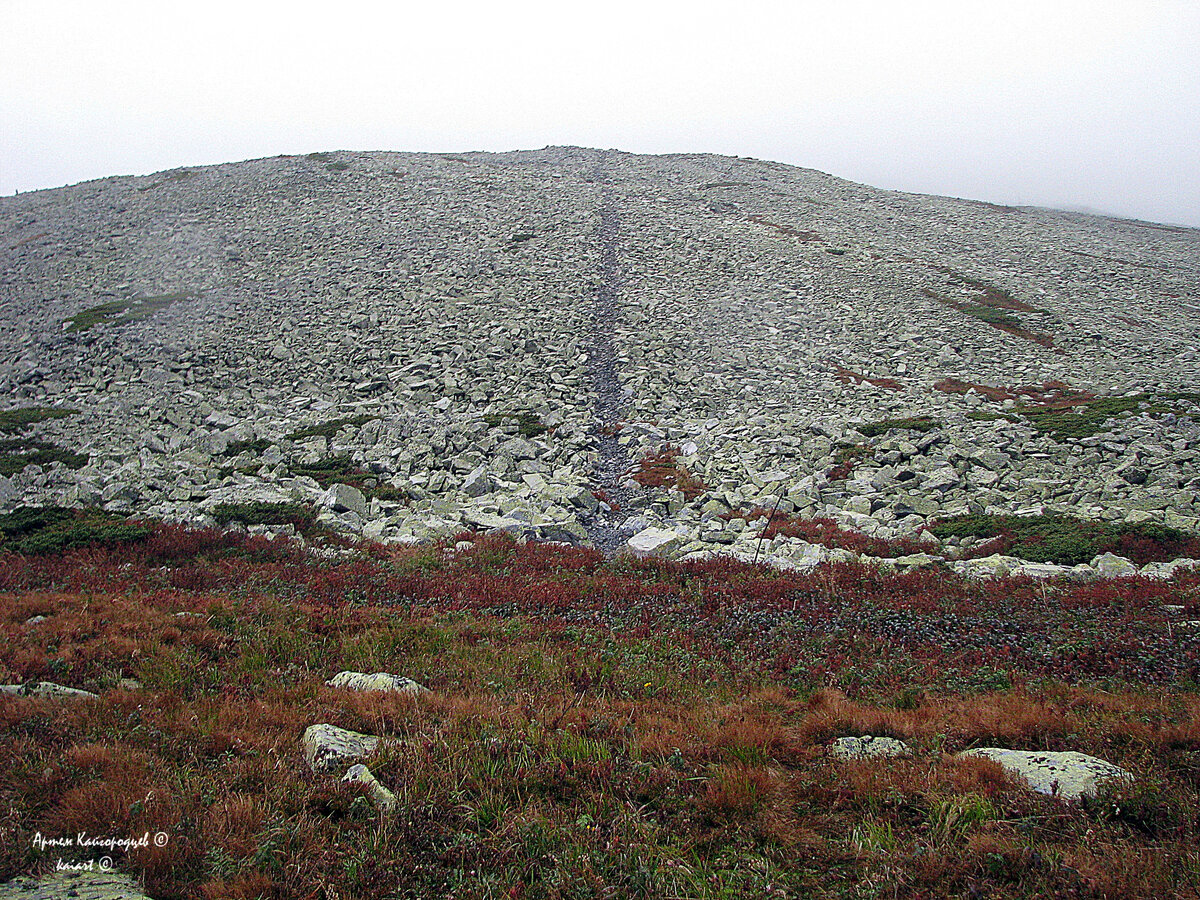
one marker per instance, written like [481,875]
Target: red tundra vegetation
[595,726]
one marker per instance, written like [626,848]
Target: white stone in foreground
[384,800]
[868,747]
[327,747]
[1067,774]
[376,681]
[653,541]
[45,689]
[80,885]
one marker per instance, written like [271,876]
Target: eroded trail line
[611,474]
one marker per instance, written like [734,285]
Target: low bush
[330,428]
[528,424]
[828,533]
[1069,541]
[13,421]
[15,455]
[262,513]
[53,529]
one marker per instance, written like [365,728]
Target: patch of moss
[236,448]
[980,415]
[342,470]
[15,455]
[329,429]
[1069,541]
[16,420]
[1091,418]
[122,312]
[261,513]
[337,166]
[913,423]
[52,529]
[528,424]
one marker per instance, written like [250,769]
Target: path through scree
[611,476]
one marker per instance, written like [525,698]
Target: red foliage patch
[663,469]
[828,533]
[847,376]
[1049,394]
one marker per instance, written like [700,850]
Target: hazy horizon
[1068,105]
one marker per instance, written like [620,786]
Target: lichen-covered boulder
[327,747]
[376,681]
[77,885]
[46,689]
[868,747]
[1067,774]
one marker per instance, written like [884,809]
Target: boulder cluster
[413,345]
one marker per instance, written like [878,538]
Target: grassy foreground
[596,728]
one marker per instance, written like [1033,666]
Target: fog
[1086,105]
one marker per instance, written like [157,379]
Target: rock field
[506,336]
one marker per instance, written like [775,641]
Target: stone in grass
[1067,774]
[45,689]
[376,681]
[868,747]
[326,747]
[80,885]
[384,800]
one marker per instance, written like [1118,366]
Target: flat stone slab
[868,747]
[376,681]
[45,689]
[652,541]
[1067,774]
[326,747]
[73,886]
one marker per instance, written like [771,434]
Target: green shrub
[329,429]
[528,424]
[15,420]
[258,512]
[1069,541]
[52,529]
[15,455]
[237,448]
[1087,419]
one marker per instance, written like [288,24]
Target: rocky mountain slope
[417,343]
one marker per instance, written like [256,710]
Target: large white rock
[376,681]
[868,747]
[384,800]
[80,885]
[345,498]
[653,541]
[327,747]
[45,689]
[1067,774]
[1109,565]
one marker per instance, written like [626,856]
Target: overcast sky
[1090,104]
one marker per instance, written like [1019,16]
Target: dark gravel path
[611,475]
